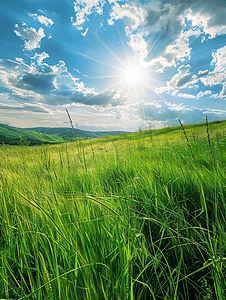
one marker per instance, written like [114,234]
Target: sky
[114,65]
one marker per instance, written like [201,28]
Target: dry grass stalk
[185,134]
[72,127]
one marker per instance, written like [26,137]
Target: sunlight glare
[132,74]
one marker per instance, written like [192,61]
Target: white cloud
[223,92]
[174,92]
[85,32]
[162,89]
[138,44]
[21,106]
[205,21]
[187,96]
[40,57]
[219,60]
[215,96]
[201,94]
[31,37]
[179,51]
[135,15]
[53,85]
[182,79]
[218,75]
[164,23]
[220,112]
[42,19]
[84,8]
[180,107]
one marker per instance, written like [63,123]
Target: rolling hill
[16,136]
[46,135]
[67,131]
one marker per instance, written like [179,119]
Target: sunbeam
[100,62]
[99,39]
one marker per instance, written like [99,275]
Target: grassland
[68,132]
[16,136]
[46,135]
[138,216]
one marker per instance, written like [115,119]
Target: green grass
[68,132]
[127,217]
[15,136]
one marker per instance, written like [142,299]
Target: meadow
[131,217]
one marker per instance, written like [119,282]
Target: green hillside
[139,216]
[15,136]
[67,131]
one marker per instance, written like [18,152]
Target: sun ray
[151,88]
[123,45]
[152,79]
[96,60]
[136,92]
[159,95]
[140,85]
[114,84]
[154,44]
[107,76]
[96,35]
[128,90]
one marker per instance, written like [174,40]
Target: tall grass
[137,218]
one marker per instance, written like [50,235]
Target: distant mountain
[67,131]
[16,136]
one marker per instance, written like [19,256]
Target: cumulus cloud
[209,15]
[31,37]
[179,51]
[218,75]
[135,15]
[39,83]
[219,60]
[84,8]
[162,113]
[53,85]
[42,19]
[223,92]
[138,44]
[187,96]
[201,94]
[111,98]
[184,78]
[40,57]
[166,25]
[155,111]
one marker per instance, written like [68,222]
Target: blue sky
[115,65]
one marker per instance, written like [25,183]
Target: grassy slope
[15,136]
[127,217]
[81,133]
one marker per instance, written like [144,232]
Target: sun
[132,74]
